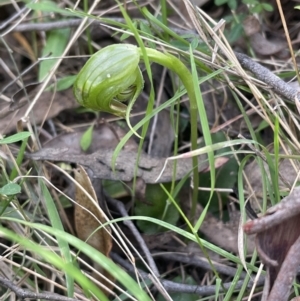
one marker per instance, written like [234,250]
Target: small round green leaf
[10,189]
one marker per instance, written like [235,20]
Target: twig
[197,261]
[12,18]
[26,294]
[46,26]
[171,286]
[120,206]
[74,22]
[265,75]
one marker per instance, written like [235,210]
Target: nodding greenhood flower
[110,77]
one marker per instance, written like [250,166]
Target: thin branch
[12,18]
[26,294]
[120,206]
[47,26]
[172,286]
[200,262]
[265,75]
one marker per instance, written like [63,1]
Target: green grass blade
[207,139]
[15,138]
[19,159]
[118,273]
[57,224]
[51,257]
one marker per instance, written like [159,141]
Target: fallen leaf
[287,168]
[104,136]
[259,43]
[88,217]
[63,100]
[100,164]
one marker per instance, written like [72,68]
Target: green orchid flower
[109,78]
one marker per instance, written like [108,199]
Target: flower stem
[174,64]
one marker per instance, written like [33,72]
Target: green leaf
[235,32]
[10,189]
[126,35]
[147,31]
[220,2]
[194,43]
[156,205]
[232,4]
[55,45]
[15,138]
[267,7]
[256,9]
[48,6]
[86,139]
[63,83]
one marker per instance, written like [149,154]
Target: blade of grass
[52,257]
[14,138]
[57,224]
[107,263]
[198,240]
[83,247]
[276,160]
[19,159]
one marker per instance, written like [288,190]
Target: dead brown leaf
[63,100]
[104,136]
[149,168]
[287,167]
[88,218]
[258,42]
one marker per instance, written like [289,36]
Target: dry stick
[12,18]
[46,26]
[265,75]
[260,72]
[171,286]
[26,294]
[120,206]
[197,261]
